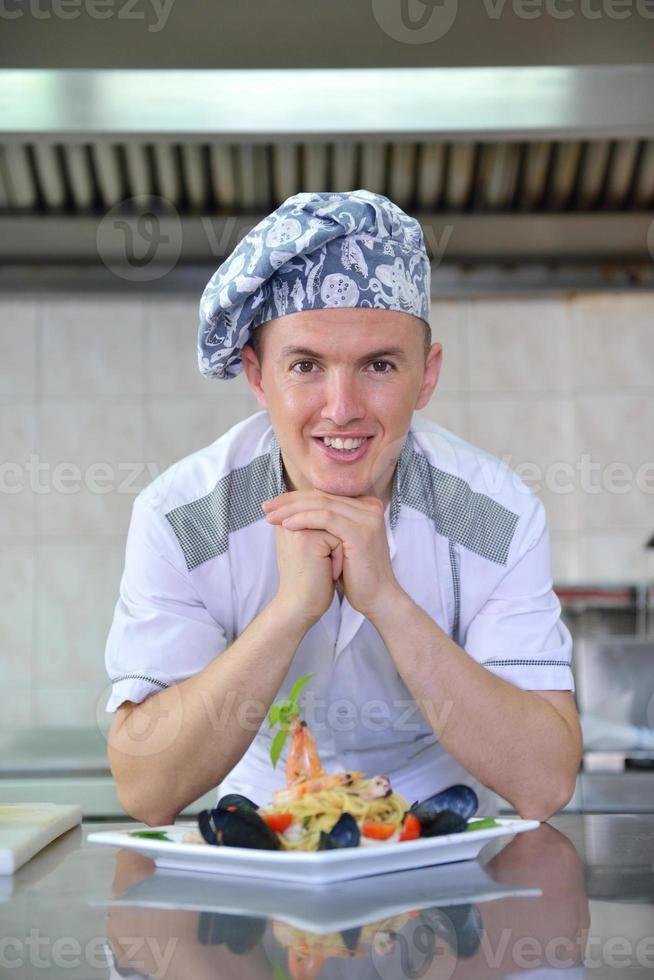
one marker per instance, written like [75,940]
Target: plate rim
[312,859]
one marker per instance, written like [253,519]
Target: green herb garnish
[284,713]
[150,835]
[482,824]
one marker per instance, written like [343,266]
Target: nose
[343,399]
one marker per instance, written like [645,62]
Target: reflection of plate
[343,905]
[311,867]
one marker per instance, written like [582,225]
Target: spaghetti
[316,812]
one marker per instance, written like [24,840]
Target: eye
[302,364]
[388,364]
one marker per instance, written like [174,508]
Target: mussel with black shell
[237,828]
[446,812]
[344,833]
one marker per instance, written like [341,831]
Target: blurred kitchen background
[528,159]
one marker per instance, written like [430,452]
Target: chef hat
[315,251]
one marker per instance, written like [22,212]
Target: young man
[332,533]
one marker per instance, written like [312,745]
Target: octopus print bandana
[314,251]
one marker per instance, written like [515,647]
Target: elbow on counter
[135,791]
[540,806]
[141,809]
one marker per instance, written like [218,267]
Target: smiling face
[342,373]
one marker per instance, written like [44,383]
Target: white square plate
[310,867]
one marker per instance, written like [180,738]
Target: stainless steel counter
[574,896]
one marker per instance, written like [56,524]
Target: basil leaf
[482,824]
[278,745]
[150,834]
[299,684]
[273,714]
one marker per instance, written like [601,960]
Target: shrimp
[298,789]
[303,761]
[304,771]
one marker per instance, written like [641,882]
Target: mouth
[346,450]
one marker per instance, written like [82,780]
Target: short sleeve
[161,631]
[518,633]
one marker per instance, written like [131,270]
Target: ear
[432,371]
[252,370]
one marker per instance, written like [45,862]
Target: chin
[342,487]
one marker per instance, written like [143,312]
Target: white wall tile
[18,319]
[86,431]
[615,435]
[92,454]
[91,346]
[534,436]
[449,320]
[76,591]
[17,711]
[519,345]
[52,706]
[171,362]
[448,411]
[16,615]
[613,339]
[174,428]
[18,449]
[85,511]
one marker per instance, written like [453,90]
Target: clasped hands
[360,555]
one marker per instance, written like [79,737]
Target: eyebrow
[374,355]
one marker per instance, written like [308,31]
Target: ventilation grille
[42,178]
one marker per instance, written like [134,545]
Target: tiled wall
[99,394]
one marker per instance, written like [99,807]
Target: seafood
[236,801]
[377,786]
[239,933]
[303,761]
[300,788]
[445,822]
[237,828]
[461,926]
[446,812]
[324,811]
[344,833]
[308,953]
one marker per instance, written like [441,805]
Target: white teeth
[343,443]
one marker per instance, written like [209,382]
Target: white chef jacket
[468,542]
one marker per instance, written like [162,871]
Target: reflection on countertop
[569,896]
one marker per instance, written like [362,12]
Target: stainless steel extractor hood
[544,164]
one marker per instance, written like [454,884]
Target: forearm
[181,742]
[509,739]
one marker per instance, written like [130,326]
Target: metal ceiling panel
[587,102]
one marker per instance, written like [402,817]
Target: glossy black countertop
[573,897]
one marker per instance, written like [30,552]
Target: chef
[334,533]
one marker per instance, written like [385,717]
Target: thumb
[337,561]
